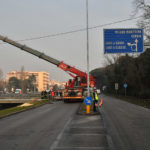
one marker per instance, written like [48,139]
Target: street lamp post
[87,26]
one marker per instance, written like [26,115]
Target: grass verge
[13,110]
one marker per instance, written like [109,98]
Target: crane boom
[30,50]
[58,63]
[75,88]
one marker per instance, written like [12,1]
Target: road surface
[127,124]
[35,129]
[120,126]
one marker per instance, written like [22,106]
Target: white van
[17,91]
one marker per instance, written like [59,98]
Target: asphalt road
[127,124]
[83,132]
[36,129]
[120,126]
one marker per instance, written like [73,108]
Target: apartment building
[42,78]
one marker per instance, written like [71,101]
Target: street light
[87,26]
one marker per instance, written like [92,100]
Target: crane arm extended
[30,50]
[71,69]
[59,64]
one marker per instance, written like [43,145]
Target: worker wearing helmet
[95,99]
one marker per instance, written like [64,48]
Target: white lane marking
[93,127]
[54,145]
[84,148]
[110,142]
[89,134]
[87,119]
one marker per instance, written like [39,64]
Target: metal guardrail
[19,96]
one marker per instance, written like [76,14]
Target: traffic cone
[101,102]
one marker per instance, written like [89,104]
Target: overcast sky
[22,19]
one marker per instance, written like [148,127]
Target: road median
[82,110]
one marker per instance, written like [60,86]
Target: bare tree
[22,78]
[142,7]
[111,59]
[1,74]
[1,80]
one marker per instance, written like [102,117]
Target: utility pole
[87,26]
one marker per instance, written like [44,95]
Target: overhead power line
[74,31]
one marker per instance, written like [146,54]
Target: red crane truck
[76,88]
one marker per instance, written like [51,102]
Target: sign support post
[116,87]
[88,109]
[125,86]
[87,26]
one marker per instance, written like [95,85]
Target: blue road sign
[88,100]
[125,85]
[123,40]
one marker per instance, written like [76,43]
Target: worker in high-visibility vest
[95,100]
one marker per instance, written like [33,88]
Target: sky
[23,19]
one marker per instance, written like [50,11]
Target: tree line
[14,83]
[25,85]
[135,72]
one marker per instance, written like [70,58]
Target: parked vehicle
[17,91]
